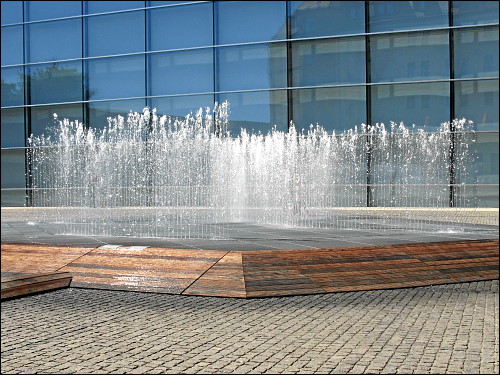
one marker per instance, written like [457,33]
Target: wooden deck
[266,273]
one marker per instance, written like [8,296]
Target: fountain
[158,176]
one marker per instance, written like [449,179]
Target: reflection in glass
[256,111]
[337,108]
[13,168]
[181,27]
[43,121]
[474,12]
[56,82]
[115,34]
[477,101]
[407,15]
[425,105]
[12,86]
[476,52]
[250,21]
[12,45]
[180,106]
[251,67]
[325,18]
[45,10]
[181,72]
[410,56]
[111,6]
[13,127]
[12,12]
[159,3]
[58,40]
[100,111]
[117,77]
[324,62]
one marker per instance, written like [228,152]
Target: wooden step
[16,285]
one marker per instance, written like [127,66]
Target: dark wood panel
[24,284]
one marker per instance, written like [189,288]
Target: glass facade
[337,64]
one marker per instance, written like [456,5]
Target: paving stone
[440,329]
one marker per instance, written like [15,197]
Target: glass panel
[407,15]
[181,106]
[118,77]
[42,118]
[45,10]
[181,27]
[12,12]
[478,101]
[325,18]
[159,3]
[256,111]
[250,21]
[13,127]
[58,40]
[13,168]
[426,105]
[115,34]
[325,62]
[56,82]
[338,108]
[111,6]
[251,67]
[182,72]
[14,198]
[12,86]
[474,12]
[410,56]
[100,111]
[476,53]
[12,45]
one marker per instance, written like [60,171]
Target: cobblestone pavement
[437,329]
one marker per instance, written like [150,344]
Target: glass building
[336,63]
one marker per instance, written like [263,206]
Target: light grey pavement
[438,329]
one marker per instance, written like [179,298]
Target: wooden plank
[28,284]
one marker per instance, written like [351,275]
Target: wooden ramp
[249,274]
[16,285]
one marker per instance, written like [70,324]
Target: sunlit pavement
[438,329]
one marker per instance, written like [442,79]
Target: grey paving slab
[445,329]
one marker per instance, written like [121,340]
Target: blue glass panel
[118,77]
[181,27]
[111,6]
[407,15]
[180,106]
[478,101]
[56,82]
[474,12]
[100,111]
[256,111]
[182,72]
[12,12]
[325,18]
[43,121]
[12,86]
[336,108]
[410,56]
[476,52]
[13,172]
[426,105]
[115,34]
[13,168]
[58,40]
[13,127]
[324,62]
[12,45]
[250,21]
[251,67]
[159,3]
[45,10]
